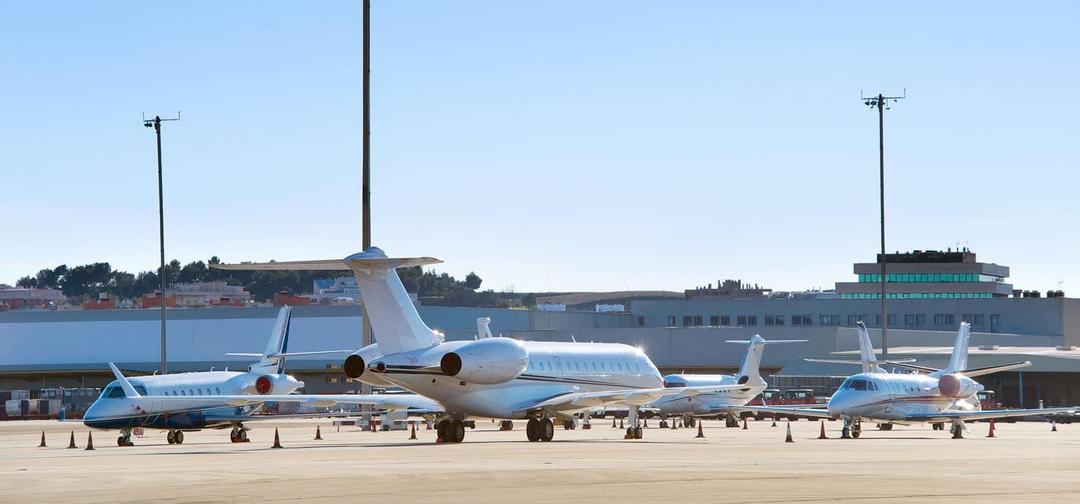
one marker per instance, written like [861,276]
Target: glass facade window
[740,320]
[829,320]
[921,295]
[751,320]
[714,320]
[929,278]
[725,320]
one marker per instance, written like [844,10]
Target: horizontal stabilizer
[859,363]
[994,369]
[315,265]
[767,342]
[289,354]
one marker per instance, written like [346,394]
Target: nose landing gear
[238,435]
[957,430]
[125,438]
[852,429]
[175,437]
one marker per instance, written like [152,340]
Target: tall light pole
[366,168]
[156,124]
[881,102]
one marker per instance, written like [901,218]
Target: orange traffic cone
[774,421]
[277,440]
[613,426]
[90,440]
[788,438]
[318,434]
[413,435]
[700,433]
[620,423]
[823,436]
[991,434]
[744,426]
[1053,426]
[72,443]
[42,445]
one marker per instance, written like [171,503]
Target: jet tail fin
[396,323]
[273,357]
[751,366]
[129,389]
[958,361]
[483,329]
[866,350]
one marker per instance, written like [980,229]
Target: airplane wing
[988,414]
[786,410]
[575,401]
[379,401]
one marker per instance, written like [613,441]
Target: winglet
[129,390]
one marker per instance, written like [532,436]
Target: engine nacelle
[487,361]
[356,363]
[278,384]
[957,385]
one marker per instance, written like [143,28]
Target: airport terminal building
[930,293]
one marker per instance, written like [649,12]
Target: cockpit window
[141,390]
[855,385]
[113,392]
[672,384]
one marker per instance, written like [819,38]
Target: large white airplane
[719,403]
[937,397]
[220,399]
[493,377]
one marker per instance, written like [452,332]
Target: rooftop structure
[729,289]
[928,274]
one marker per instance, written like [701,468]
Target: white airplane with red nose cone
[493,377]
[220,399]
[940,396]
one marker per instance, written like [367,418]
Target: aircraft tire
[456,431]
[441,428]
[169,437]
[532,430]
[638,431]
[547,430]
[178,438]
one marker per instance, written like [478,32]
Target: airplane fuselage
[706,404]
[113,410]
[896,398]
[553,369]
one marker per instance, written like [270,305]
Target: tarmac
[1026,462]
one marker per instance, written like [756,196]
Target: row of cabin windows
[910,320]
[870,385]
[118,391]
[583,367]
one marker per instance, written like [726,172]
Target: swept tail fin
[751,366]
[396,323]
[958,361]
[483,330]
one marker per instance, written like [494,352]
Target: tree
[472,281]
[528,300]
[192,272]
[26,282]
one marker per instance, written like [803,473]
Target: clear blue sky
[545,145]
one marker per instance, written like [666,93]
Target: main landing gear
[175,437]
[634,431]
[451,430]
[540,429]
[237,435]
[125,438]
[852,429]
[957,430]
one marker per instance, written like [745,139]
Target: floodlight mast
[156,124]
[881,103]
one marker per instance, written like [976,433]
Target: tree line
[88,281]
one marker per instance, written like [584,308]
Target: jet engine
[272,384]
[957,385]
[487,361]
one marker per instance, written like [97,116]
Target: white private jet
[493,377]
[220,399]
[719,403]
[940,396]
